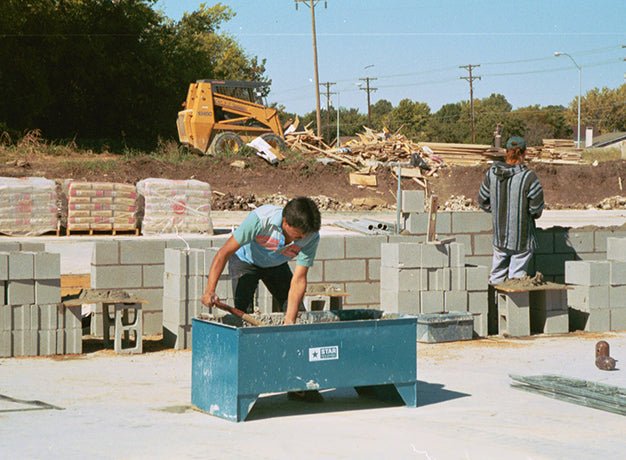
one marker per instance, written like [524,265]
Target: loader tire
[226,143]
[275,141]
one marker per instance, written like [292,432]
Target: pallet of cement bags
[28,206]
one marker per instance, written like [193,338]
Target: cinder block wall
[350,262]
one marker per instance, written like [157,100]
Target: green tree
[411,118]
[379,112]
[604,109]
[543,123]
[445,125]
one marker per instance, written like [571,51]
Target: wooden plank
[363,179]
[548,286]
[73,284]
[431,234]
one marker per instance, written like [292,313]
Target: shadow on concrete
[433,393]
[21,405]
[335,400]
[151,344]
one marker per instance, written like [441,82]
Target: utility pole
[470,78]
[369,90]
[328,84]
[311,4]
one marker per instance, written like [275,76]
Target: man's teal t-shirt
[262,240]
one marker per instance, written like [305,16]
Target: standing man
[513,195]
[260,248]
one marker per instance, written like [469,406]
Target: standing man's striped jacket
[514,197]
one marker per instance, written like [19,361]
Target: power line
[470,78]
[369,90]
[328,84]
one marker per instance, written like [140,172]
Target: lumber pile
[458,154]
[555,151]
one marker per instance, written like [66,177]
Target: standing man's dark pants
[245,278]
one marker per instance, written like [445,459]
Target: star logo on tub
[315,354]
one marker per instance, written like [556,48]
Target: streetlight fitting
[557,53]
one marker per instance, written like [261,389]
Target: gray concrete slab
[136,407]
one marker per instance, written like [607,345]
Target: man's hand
[209,299]
[288,321]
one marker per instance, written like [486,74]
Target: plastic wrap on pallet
[28,206]
[175,206]
[99,206]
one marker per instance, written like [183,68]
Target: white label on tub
[323,353]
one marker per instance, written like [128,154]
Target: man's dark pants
[245,278]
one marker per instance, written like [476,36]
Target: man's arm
[484,194]
[296,293]
[217,267]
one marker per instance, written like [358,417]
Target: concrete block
[412,201]
[47,265]
[406,239]
[618,319]
[483,244]
[152,322]
[9,246]
[195,287]
[601,235]
[484,261]
[25,343]
[152,276]
[586,298]
[3,292]
[618,273]
[116,276]
[400,301]
[175,261]
[457,279]
[465,240]
[72,318]
[140,251]
[373,269]
[401,255]
[455,300]
[105,253]
[4,266]
[47,342]
[344,270]
[615,249]
[456,252]
[197,262]
[574,241]
[431,302]
[209,255]
[6,317]
[480,324]
[587,273]
[176,336]
[175,286]
[545,241]
[49,317]
[47,291]
[32,247]
[20,292]
[363,247]
[362,293]
[514,314]
[6,344]
[438,279]
[20,315]
[476,278]
[435,256]
[617,297]
[331,247]
[34,317]
[471,222]
[543,321]
[21,266]
[73,341]
[153,297]
[417,223]
[599,320]
[552,264]
[401,279]
[60,341]
[175,311]
[478,302]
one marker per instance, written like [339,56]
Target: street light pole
[580,86]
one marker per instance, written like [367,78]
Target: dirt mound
[565,186]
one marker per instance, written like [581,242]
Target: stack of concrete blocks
[432,278]
[521,314]
[412,207]
[32,319]
[184,280]
[597,298]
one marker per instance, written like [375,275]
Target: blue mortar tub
[232,366]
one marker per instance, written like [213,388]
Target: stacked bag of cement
[100,206]
[28,206]
[175,206]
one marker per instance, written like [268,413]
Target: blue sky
[415,47]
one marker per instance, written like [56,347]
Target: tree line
[116,72]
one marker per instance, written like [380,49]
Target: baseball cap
[516,142]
